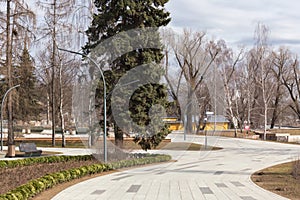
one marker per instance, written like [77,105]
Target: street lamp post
[205,131]
[208,113]
[104,96]
[3,100]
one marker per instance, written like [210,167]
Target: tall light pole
[2,104]
[205,132]
[207,113]
[104,96]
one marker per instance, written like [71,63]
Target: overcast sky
[235,20]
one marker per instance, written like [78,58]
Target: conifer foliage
[28,107]
[118,16]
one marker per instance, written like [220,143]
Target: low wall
[294,138]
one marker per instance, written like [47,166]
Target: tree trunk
[275,111]
[48,108]
[188,114]
[265,121]
[61,99]
[53,72]
[118,136]
[10,140]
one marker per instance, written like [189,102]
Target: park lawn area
[14,174]
[278,179]
[130,145]
[45,153]
[181,146]
[176,146]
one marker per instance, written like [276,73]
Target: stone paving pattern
[223,174]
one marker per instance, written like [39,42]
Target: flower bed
[48,180]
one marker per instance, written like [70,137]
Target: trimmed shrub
[41,160]
[36,186]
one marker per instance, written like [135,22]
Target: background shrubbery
[41,160]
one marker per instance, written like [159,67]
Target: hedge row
[40,160]
[36,186]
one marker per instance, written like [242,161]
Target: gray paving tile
[152,169]
[247,198]
[237,184]
[122,177]
[98,192]
[256,160]
[206,190]
[134,188]
[160,173]
[247,169]
[218,172]
[221,185]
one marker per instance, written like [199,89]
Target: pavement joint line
[188,163]
[120,178]
[120,174]
[153,169]
[187,167]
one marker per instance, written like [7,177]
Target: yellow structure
[221,123]
[219,126]
[174,123]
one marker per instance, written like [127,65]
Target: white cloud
[235,21]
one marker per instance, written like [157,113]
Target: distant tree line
[260,84]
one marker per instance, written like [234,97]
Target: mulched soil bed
[12,178]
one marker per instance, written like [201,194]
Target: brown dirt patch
[279,179]
[14,177]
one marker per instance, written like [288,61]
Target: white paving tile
[183,179]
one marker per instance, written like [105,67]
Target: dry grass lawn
[279,179]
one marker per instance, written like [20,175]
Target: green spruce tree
[28,107]
[112,18]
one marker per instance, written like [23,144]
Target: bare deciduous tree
[261,59]
[227,64]
[18,20]
[291,79]
[57,13]
[193,55]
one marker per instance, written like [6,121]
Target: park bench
[29,149]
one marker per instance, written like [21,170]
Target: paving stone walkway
[223,174]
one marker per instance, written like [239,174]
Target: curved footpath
[223,174]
